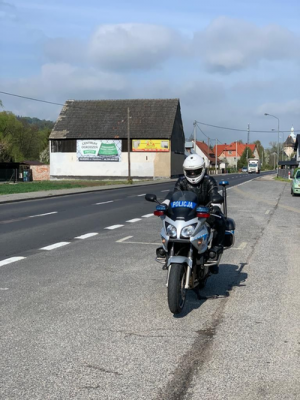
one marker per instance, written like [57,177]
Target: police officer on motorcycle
[205,187]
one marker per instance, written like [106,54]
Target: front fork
[189,266]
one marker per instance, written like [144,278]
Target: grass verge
[282,179]
[25,187]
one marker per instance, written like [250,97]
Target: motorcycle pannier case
[229,233]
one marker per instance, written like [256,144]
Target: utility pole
[195,123]
[216,157]
[248,136]
[128,145]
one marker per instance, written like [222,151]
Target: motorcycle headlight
[188,231]
[171,231]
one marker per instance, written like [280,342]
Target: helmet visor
[193,173]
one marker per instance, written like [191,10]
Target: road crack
[107,371]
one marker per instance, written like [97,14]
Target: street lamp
[270,115]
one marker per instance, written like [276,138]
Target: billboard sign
[99,150]
[151,145]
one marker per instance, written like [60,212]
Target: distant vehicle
[295,188]
[244,169]
[254,165]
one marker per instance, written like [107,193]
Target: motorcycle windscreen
[182,205]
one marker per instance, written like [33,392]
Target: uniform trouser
[217,223]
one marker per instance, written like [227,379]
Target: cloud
[225,46]
[58,83]
[7,11]
[289,108]
[134,46]
[65,50]
[229,44]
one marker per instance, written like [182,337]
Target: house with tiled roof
[232,152]
[288,146]
[207,153]
[90,139]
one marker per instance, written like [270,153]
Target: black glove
[217,198]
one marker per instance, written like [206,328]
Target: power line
[208,136]
[239,130]
[198,122]
[31,98]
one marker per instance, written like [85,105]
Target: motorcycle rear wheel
[176,290]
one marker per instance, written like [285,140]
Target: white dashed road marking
[165,191]
[42,215]
[104,202]
[114,227]
[55,246]
[134,220]
[241,246]
[267,212]
[140,195]
[87,235]
[147,215]
[123,240]
[10,260]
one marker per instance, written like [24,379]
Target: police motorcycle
[187,239]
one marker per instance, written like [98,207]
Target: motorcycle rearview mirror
[151,197]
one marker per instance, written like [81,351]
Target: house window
[229,152]
[63,146]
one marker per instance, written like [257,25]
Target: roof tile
[89,119]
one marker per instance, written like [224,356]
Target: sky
[228,62]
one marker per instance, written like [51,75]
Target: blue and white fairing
[181,223]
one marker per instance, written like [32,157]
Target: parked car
[295,188]
[244,169]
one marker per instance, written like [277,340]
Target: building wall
[177,154]
[200,153]
[150,164]
[40,172]
[177,162]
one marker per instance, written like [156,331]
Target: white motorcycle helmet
[194,168]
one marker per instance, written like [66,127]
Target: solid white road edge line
[42,215]
[113,227]
[104,202]
[134,220]
[55,246]
[10,260]
[147,215]
[243,183]
[123,240]
[87,235]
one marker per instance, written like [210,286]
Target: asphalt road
[90,320]
[29,226]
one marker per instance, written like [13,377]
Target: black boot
[161,256]
[161,253]
[215,251]
[214,269]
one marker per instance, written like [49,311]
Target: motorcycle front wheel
[176,290]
